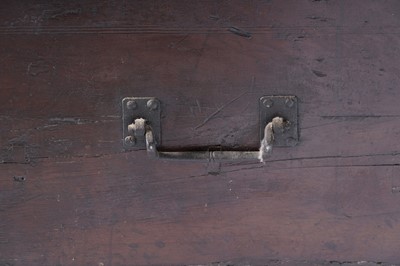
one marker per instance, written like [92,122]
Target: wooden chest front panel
[84,200]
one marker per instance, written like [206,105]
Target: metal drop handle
[142,130]
[277,125]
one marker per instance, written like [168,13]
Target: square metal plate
[148,108]
[285,107]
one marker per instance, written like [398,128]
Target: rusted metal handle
[276,126]
[141,121]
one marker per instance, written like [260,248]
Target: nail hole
[395,189]
[19,178]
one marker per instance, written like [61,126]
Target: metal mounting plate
[148,108]
[285,107]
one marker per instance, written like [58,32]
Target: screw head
[268,103]
[131,105]
[152,104]
[130,141]
[289,102]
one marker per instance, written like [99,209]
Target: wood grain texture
[66,65]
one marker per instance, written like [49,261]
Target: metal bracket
[285,107]
[148,108]
[142,129]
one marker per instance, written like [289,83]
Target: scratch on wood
[198,105]
[36,68]
[77,120]
[70,120]
[219,110]
[55,14]
[240,32]
[319,73]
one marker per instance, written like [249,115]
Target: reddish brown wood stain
[66,65]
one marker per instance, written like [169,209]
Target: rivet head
[152,104]
[289,102]
[129,141]
[131,105]
[268,103]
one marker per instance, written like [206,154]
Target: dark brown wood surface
[71,195]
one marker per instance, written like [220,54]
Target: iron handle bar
[275,126]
